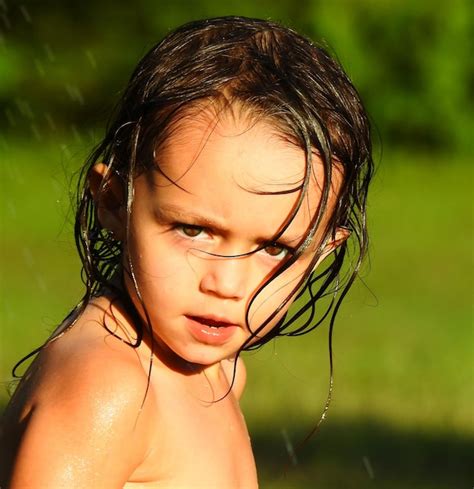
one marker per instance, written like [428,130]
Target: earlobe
[108,192]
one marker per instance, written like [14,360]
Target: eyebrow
[175,212]
[167,211]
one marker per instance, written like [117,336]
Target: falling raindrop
[11,209]
[289,447]
[25,14]
[368,466]
[28,256]
[50,121]
[40,68]
[36,132]
[91,58]
[75,94]
[41,283]
[10,117]
[24,108]
[76,133]
[17,175]
[49,53]
[6,21]
[66,151]
[4,142]
[3,6]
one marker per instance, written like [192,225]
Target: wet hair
[276,75]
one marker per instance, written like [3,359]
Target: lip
[211,330]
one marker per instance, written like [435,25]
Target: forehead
[236,170]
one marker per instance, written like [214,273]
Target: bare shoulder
[82,416]
[231,365]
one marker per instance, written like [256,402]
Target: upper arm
[84,430]
[230,365]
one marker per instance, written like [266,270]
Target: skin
[80,418]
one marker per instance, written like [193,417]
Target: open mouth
[211,323]
[211,331]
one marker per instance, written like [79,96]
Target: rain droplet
[25,13]
[40,68]
[10,118]
[35,131]
[6,21]
[368,466]
[50,121]
[41,283]
[11,209]
[28,256]
[24,108]
[91,58]
[76,133]
[75,94]
[3,6]
[49,53]
[66,151]
[289,447]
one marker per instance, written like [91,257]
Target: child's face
[197,302]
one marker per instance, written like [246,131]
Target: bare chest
[198,443]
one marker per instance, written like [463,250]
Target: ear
[109,196]
[341,235]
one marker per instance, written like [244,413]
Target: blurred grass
[402,406]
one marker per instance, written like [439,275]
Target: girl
[238,160]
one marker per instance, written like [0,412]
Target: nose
[225,278]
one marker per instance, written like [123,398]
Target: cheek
[159,262]
[273,295]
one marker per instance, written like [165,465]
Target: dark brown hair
[276,74]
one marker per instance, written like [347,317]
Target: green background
[401,415]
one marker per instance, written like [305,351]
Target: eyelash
[184,228]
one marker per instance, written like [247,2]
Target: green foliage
[64,63]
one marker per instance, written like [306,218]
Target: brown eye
[190,231]
[275,250]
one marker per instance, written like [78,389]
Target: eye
[189,230]
[277,250]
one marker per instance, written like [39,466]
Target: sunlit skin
[177,229]
[83,400]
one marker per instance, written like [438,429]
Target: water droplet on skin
[25,13]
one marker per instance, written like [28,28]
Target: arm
[84,428]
